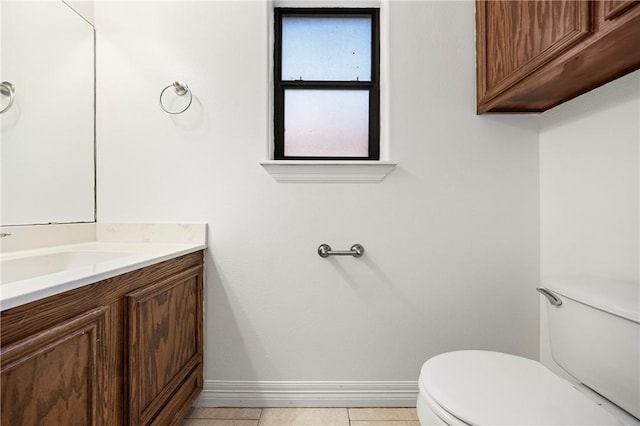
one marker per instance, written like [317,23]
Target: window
[327,89]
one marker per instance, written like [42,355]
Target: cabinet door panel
[56,377]
[165,341]
[518,37]
[614,8]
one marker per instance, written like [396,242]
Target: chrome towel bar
[325,251]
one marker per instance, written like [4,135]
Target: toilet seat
[431,413]
[492,388]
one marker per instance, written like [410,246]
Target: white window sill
[328,171]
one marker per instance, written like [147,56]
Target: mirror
[47,144]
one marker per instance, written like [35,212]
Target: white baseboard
[225,393]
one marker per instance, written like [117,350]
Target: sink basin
[23,268]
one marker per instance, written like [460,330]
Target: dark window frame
[373,86]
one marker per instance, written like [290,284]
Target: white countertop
[85,263]
[133,256]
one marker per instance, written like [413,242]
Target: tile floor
[302,417]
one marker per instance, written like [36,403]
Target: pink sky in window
[333,123]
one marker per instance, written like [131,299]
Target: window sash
[337,46]
[373,86]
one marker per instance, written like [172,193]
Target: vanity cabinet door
[57,377]
[164,350]
[614,9]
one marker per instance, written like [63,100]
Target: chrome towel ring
[7,89]
[180,89]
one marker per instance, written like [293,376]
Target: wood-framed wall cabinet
[124,351]
[532,55]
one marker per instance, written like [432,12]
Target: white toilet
[594,332]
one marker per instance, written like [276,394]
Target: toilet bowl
[594,331]
[492,388]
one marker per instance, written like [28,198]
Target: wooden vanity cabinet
[59,375]
[164,351]
[123,351]
[532,55]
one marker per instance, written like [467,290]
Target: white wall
[589,187]
[451,235]
[84,8]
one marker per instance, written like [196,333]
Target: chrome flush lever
[553,299]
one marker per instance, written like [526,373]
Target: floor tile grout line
[261,411]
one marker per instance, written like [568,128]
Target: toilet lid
[492,388]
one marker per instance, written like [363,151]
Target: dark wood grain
[534,55]
[524,35]
[63,357]
[164,342]
[57,377]
[176,408]
[614,8]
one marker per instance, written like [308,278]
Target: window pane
[326,123]
[326,48]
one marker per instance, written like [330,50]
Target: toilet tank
[595,336]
